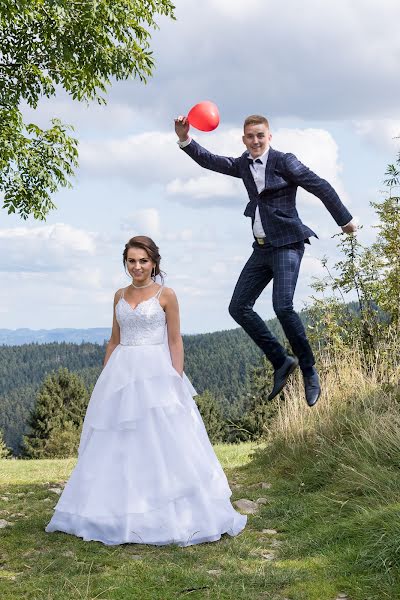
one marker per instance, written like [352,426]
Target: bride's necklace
[139,287]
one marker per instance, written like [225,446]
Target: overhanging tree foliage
[75,45]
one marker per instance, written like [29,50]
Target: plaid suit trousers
[281,265]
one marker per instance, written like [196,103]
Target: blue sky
[326,76]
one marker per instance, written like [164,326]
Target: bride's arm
[115,335]
[175,343]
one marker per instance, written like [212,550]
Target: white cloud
[326,60]
[92,118]
[46,248]
[143,222]
[218,268]
[183,235]
[318,150]
[212,186]
[145,158]
[381,133]
[151,157]
[315,147]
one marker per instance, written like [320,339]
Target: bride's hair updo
[144,243]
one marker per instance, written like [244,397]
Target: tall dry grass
[343,458]
[349,387]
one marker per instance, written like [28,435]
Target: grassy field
[334,501]
[36,565]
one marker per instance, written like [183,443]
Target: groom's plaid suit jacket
[284,173]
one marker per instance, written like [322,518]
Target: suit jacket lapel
[247,176]
[270,167]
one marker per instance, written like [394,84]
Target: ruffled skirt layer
[146,470]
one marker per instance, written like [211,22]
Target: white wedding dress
[146,471]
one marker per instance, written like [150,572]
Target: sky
[327,77]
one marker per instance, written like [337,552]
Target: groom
[271,179]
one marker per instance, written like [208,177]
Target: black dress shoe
[281,375]
[312,388]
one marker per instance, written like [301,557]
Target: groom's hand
[350,227]
[182,128]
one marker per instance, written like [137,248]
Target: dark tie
[256,160]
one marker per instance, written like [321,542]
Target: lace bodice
[143,325]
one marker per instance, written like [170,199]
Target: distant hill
[17,337]
[220,362]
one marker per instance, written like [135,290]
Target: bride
[146,470]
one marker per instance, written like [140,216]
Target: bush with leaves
[372,275]
[387,246]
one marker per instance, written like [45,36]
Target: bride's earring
[153,273]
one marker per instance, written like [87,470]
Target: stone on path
[269,531]
[268,556]
[265,485]
[262,500]
[248,507]
[4,498]
[214,571]
[55,490]
[342,596]
[4,523]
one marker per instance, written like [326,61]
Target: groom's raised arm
[302,176]
[221,164]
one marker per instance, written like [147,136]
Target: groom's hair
[255,120]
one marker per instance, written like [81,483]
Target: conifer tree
[57,418]
[212,416]
[257,409]
[4,451]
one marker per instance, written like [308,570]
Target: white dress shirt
[258,172]
[185,143]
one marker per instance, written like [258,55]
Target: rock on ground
[248,507]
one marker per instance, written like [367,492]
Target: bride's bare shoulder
[119,294]
[168,296]
[167,291]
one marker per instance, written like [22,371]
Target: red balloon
[204,116]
